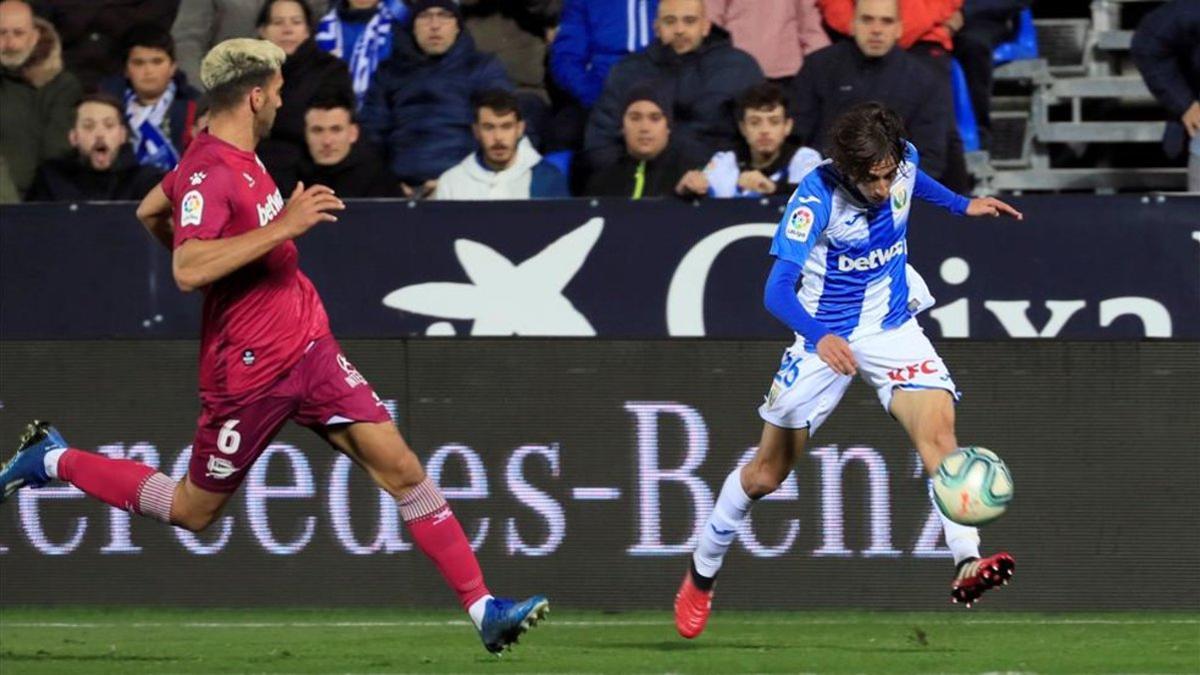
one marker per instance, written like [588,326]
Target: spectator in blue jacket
[1166,49]
[704,72]
[418,108]
[160,105]
[592,36]
[360,32]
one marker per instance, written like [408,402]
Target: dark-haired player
[844,237]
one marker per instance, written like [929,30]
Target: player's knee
[401,471]
[761,479]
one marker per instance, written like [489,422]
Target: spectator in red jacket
[930,21]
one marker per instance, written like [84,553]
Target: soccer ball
[972,486]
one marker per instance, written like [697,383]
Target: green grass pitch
[118,640]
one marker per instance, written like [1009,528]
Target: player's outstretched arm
[154,212]
[199,262]
[927,189]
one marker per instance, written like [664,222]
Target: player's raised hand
[307,207]
[990,206]
[835,352]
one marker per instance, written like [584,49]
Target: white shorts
[806,390]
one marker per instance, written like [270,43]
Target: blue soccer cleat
[28,467]
[505,620]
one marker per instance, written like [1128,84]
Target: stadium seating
[1081,91]
[1024,44]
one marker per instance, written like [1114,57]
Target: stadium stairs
[1081,91]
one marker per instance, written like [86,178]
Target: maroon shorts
[322,389]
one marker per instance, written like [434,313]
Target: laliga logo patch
[800,224]
[191,208]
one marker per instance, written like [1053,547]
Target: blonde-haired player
[266,351]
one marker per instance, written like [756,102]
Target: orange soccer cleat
[692,607]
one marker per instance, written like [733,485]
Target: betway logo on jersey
[874,260]
[270,208]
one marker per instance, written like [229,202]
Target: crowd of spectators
[505,99]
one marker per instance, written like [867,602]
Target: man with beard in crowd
[103,167]
[506,165]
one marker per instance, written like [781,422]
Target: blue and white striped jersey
[853,256]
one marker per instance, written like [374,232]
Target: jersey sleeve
[200,204]
[927,189]
[804,220]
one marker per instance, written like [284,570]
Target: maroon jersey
[259,319]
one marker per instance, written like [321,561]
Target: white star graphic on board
[507,299]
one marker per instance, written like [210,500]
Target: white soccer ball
[972,486]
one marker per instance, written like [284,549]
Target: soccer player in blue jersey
[844,238]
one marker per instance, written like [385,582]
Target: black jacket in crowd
[703,86]
[361,174]
[662,174]
[1166,49]
[307,74]
[838,77]
[71,179]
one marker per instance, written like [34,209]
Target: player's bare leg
[382,452]
[43,455]
[194,508]
[928,417]
[762,475]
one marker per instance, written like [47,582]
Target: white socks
[962,540]
[733,504]
[50,462]
[719,532]
[476,611]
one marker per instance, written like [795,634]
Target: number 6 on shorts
[228,440]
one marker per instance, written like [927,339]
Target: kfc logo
[907,373]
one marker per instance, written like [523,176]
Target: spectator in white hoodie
[505,165]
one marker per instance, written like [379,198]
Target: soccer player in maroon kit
[266,351]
